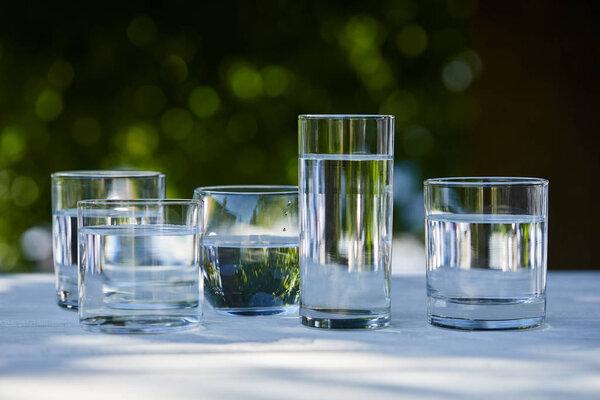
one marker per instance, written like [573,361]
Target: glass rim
[105,174]
[115,202]
[485,181]
[248,189]
[347,116]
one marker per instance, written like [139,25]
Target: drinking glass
[139,265]
[345,191]
[487,240]
[67,189]
[250,248]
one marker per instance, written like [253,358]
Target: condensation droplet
[289,203]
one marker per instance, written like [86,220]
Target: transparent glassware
[139,265]
[345,192]
[487,243]
[68,188]
[250,249]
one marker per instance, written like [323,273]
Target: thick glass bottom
[66,286]
[486,313]
[139,324]
[344,319]
[255,311]
[468,324]
[66,300]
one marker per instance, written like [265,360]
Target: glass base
[344,319]
[65,300]
[469,324]
[138,324]
[254,311]
[486,313]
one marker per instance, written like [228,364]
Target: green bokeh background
[209,93]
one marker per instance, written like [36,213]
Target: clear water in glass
[346,219]
[486,271]
[139,278]
[251,275]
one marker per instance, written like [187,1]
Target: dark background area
[209,93]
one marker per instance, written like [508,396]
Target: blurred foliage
[243,277]
[209,92]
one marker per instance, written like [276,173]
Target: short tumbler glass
[139,265]
[345,191]
[486,243]
[67,189]
[250,249]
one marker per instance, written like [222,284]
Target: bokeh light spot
[60,74]
[183,46]
[142,31]
[36,243]
[380,78]
[48,105]
[8,256]
[401,104]
[373,69]
[24,191]
[366,65]
[417,141]
[177,123]
[457,76]
[276,80]
[149,100]
[245,81]
[406,181]
[12,145]
[241,127]
[86,130]
[473,59]
[174,69]
[412,40]
[204,101]
[363,32]
[141,140]
[362,36]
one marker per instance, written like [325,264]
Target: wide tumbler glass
[486,243]
[67,189]
[250,248]
[139,265]
[345,192]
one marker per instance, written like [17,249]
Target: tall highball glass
[345,194]
[67,189]
[487,240]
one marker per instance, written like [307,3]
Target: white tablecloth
[44,353]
